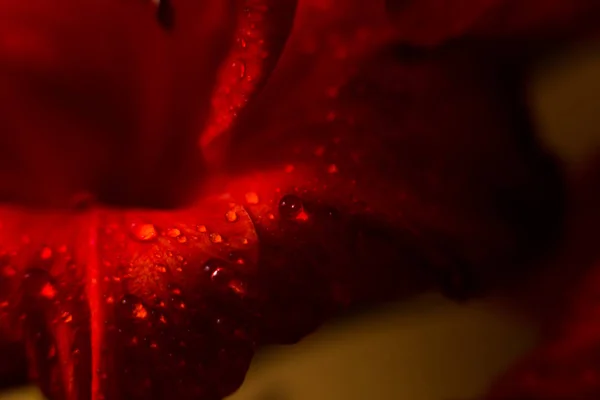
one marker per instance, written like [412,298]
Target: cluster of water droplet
[177,303]
[241,70]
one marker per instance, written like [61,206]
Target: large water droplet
[173,232]
[143,232]
[221,276]
[66,317]
[290,206]
[174,288]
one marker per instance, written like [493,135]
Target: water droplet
[39,284]
[66,317]
[221,276]
[211,266]
[251,198]
[174,288]
[332,169]
[143,232]
[131,307]
[182,239]
[158,316]
[290,206]
[201,228]
[161,268]
[173,232]
[238,287]
[46,253]
[140,312]
[216,238]
[239,260]
[231,216]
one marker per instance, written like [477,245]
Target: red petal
[96,93]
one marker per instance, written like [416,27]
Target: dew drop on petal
[238,287]
[221,276]
[140,312]
[290,206]
[177,302]
[46,253]
[211,266]
[131,307]
[143,232]
[182,239]
[173,232]
[161,268]
[231,216]
[48,291]
[66,317]
[239,67]
[38,283]
[216,238]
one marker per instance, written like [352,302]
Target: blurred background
[432,349]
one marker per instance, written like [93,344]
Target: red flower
[345,165]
